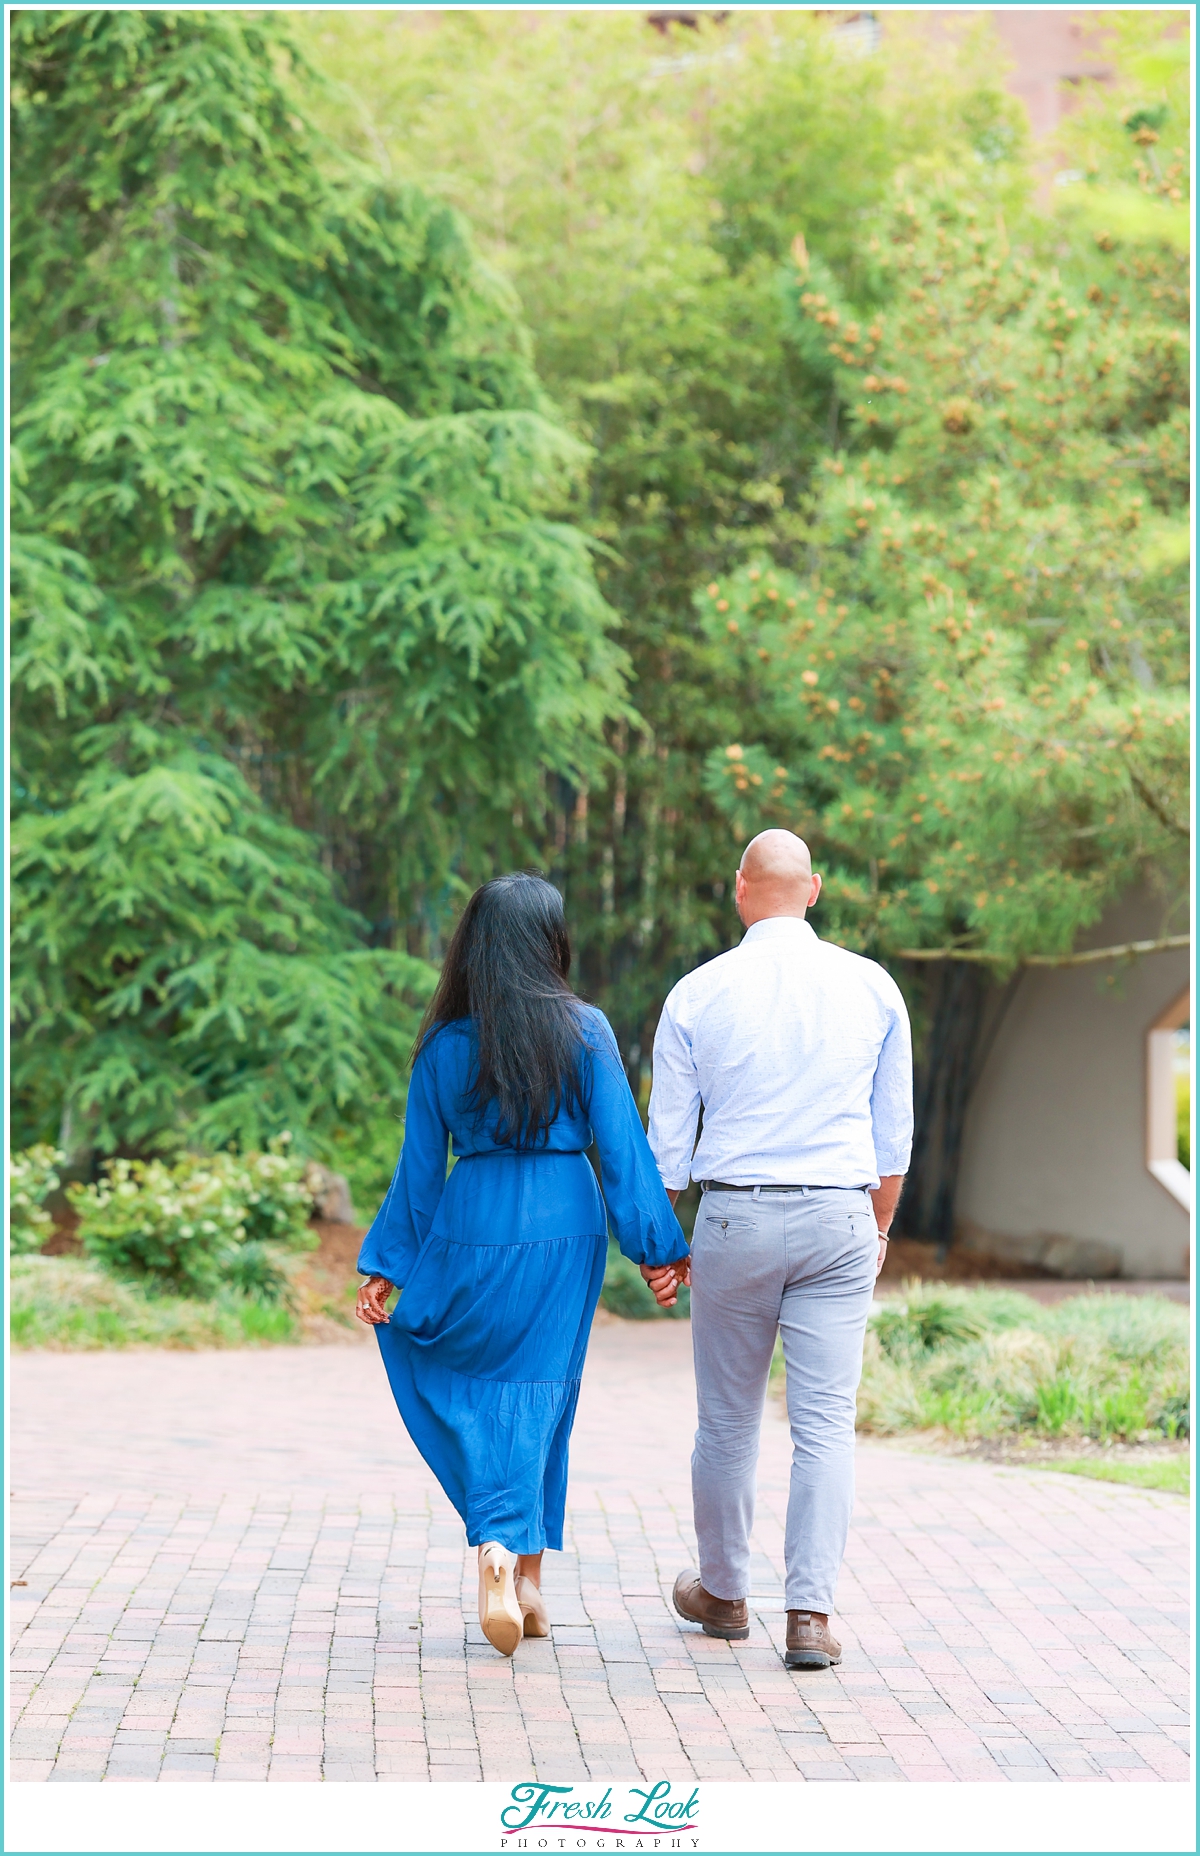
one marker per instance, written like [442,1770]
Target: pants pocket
[725,1228]
[863,1225]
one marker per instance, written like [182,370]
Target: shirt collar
[779,928]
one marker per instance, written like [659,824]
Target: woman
[500,1264]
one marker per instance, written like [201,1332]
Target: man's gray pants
[802,1264]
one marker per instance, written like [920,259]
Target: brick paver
[238,1568]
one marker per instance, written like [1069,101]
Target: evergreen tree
[297,623]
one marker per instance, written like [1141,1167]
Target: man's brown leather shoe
[721,1617]
[809,1643]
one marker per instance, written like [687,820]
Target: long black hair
[506,969]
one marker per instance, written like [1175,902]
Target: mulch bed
[1033,1452]
[326,1283]
[907,1258]
[63,1241]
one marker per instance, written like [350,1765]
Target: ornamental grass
[979,1363]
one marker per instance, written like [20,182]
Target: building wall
[1055,1142]
[1050,51]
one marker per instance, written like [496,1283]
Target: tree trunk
[946,1071]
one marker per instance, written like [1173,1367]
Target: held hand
[664,1280]
[371,1299]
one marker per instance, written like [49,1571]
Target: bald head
[775,877]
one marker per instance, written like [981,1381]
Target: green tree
[298,625]
[975,698]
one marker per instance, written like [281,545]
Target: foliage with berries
[973,701]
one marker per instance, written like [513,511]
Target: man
[799,1053]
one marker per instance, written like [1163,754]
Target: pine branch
[1154,804]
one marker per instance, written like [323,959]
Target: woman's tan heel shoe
[499,1612]
[533,1608]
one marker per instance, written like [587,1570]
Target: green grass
[66,1304]
[1171,1473]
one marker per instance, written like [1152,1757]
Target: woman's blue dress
[500,1267]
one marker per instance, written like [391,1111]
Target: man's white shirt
[801,1056]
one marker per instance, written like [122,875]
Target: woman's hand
[371,1299]
[666,1279]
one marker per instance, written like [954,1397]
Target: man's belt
[721,1185]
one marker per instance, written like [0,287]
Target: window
[1168,1089]
[860,33]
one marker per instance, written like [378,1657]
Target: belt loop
[758,1192]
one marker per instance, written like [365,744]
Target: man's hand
[883,1244]
[372,1297]
[666,1279]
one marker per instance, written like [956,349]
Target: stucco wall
[1055,1141]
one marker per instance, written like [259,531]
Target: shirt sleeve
[639,1210]
[402,1223]
[892,1093]
[674,1098]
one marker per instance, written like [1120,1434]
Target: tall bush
[32,1177]
[203,1224]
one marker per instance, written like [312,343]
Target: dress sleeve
[639,1210]
[402,1223]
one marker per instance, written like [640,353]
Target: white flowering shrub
[202,1223]
[32,1177]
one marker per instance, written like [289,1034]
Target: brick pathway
[238,1568]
